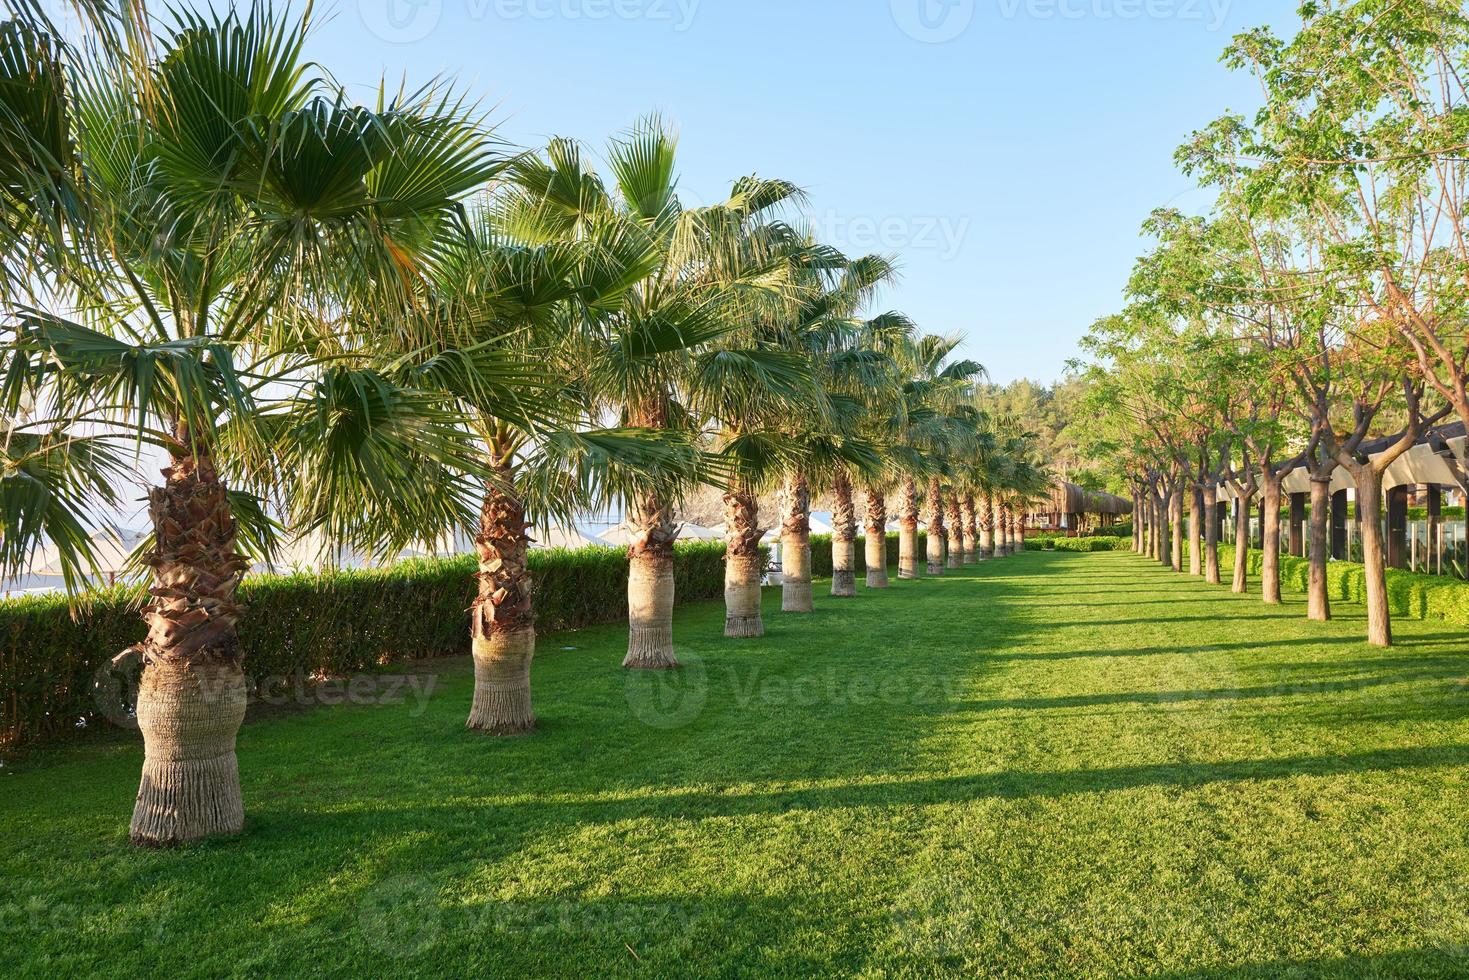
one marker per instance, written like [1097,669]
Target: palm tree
[235,218]
[684,286]
[934,393]
[857,374]
[825,331]
[521,279]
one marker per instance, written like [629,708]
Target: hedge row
[327,624]
[1409,593]
[1087,545]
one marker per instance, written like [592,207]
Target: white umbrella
[111,548]
[695,532]
[561,537]
[616,536]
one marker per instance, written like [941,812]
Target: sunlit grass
[1050,765]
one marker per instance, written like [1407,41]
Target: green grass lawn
[1052,765]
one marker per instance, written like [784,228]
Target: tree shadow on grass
[1452,641]
[1422,962]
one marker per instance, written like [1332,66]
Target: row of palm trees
[378,325]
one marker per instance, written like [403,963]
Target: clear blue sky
[1006,150]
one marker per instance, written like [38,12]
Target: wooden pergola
[1070,507]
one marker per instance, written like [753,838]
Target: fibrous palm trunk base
[795,558]
[843,561]
[650,613]
[502,704]
[907,553]
[935,551]
[189,714]
[877,559]
[742,597]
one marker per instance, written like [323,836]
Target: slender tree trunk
[1374,561]
[935,527]
[908,530]
[954,557]
[1211,534]
[1020,517]
[742,564]
[1318,602]
[795,546]
[1137,524]
[502,617]
[843,538]
[1196,532]
[1175,517]
[876,526]
[1270,560]
[192,698]
[971,531]
[1160,534]
[1241,545]
[987,519]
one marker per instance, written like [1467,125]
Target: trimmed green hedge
[821,553]
[1409,593]
[327,624]
[1086,545]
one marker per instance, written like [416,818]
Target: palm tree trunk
[954,557]
[650,585]
[1270,560]
[987,520]
[843,538]
[192,698]
[1318,602]
[795,546]
[742,565]
[502,617]
[650,590]
[971,531]
[1020,518]
[876,526]
[908,530]
[935,527]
